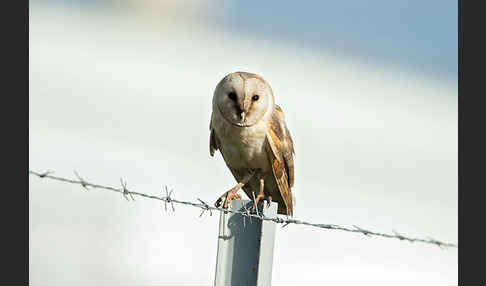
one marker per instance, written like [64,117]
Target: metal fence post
[245,246]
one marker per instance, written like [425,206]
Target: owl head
[243,99]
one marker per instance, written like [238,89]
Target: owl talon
[227,197]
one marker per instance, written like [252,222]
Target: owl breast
[243,147]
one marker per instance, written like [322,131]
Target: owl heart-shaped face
[243,98]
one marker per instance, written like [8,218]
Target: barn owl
[249,130]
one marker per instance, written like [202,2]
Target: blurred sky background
[123,89]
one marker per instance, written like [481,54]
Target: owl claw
[227,197]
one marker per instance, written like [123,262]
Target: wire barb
[255,204]
[436,242]
[363,231]
[205,207]
[287,223]
[46,173]
[397,235]
[168,199]
[245,212]
[81,181]
[125,191]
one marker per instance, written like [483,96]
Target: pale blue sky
[418,34]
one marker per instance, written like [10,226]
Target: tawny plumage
[249,130]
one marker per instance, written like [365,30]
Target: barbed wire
[168,199]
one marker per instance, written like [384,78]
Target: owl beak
[242,116]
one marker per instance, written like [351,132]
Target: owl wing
[280,150]
[213,141]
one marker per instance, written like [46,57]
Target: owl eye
[255,97]
[232,95]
